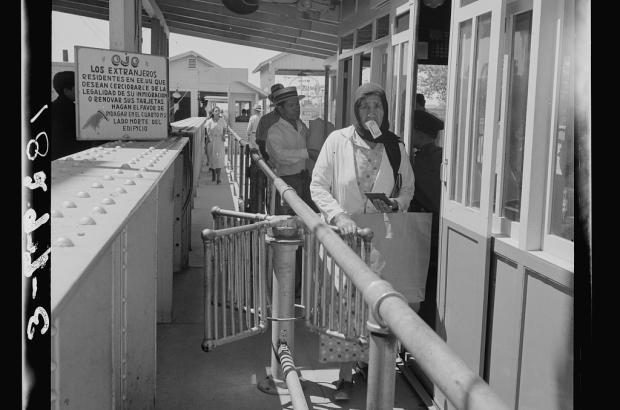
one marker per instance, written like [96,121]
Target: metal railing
[234,296]
[239,163]
[390,319]
[255,191]
[332,304]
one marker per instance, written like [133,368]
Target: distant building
[305,73]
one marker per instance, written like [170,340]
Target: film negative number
[34,142]
[34,320]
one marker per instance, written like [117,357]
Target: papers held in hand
[380,201]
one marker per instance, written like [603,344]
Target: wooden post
[126,25]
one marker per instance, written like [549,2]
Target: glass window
[404,73]
[460,106]
[394,87]
[365,68]
[474,176]
[242,111]
[517,107]
[466,2]
[364,35]
[384,63]
[383,26]
[402,22]
[433,84]
[562,184]
[346,78]
[346,43]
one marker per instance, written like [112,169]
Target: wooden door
[471,125]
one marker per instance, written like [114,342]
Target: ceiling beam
[153,10]
[267,23]
[277,27]
[257,30]
[281,14]
[96,14]
[97,7]
[260,40]
[247,42]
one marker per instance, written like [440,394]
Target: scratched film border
[36,186]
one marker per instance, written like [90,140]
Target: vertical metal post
[381,367]
[208,237]
[282,306]
[241,179]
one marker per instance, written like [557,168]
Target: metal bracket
[377,305]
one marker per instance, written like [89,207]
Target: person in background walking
[217,129]
[427,197]
[253,125]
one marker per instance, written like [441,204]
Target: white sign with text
[120,95]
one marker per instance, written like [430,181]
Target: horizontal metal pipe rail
[463,388]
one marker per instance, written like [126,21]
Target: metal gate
[237,281]
[235,284]
[332,304]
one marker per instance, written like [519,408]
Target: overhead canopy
[274,26]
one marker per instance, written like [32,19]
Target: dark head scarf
[387,138]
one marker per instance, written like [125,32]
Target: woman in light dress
[217,130]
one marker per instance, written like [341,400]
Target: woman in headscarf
[216,128]
[364,157]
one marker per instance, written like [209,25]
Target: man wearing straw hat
[286,147]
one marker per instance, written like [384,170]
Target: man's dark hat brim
[427,122]
[286,93]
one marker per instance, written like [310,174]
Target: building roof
[269,61]
[193,53]
[261,93]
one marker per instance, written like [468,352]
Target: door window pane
[460,107]
[393,91]
[383,26]
[404,73]
[346,89]
[365,68]
[346,43]
[364,35]
[562,202]
[517,108]
[402,22]
[480,93]
[384,64]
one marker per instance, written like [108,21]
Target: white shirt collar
[357,140]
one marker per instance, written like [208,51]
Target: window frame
[553,244]
[500,224]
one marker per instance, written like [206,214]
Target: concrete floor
[227,377]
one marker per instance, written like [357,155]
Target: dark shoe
[343,390]
[219,181]
[362,369]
